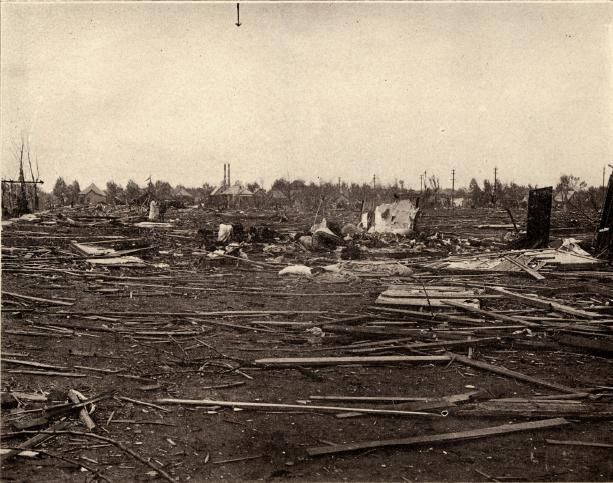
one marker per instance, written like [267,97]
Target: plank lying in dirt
[36,299]
[330,361]
[578,443]
[546,304]
[487,313]
[601,346]
[430,345]
[509,373]
[35,441]
[533,273]
[503,408]
[440,438]
[395,399]
[301,407]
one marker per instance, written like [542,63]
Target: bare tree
[22,198]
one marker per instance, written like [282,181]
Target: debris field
[242,345]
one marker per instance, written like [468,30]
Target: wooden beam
[579,443]
[509,373]
[487,313]
[546,304]
[36,299]
[439,438]
[330,361]
[428,345]
[533,273]
[301,407]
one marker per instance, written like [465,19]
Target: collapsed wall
[398,218]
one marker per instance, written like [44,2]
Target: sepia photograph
[347,241]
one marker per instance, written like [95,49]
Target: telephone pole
[374,181]
[452,188]
[495,183]
[421,183]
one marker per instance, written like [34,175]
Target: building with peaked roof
[183,194]
[231,196]
[92,195]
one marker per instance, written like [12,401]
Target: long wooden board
[509,373]
[330,361]
[439,438]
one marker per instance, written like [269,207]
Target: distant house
[92,195]
[233,196]
[277,197]
[183,195]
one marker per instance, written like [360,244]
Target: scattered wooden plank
[143,403]
[546,304]
[509,373]
[579,443]
[430,345]
[533,273]
[593,345]
[34,441]
[302,407]
[440,438]
[503,408]
[20,362]
[387,399]
[46,373]
[328,361]
[83,414]
[487,313]
[236,460]
[36,299]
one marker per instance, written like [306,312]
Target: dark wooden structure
[539,217]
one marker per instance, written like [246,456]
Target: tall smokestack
[229,182]
[224,174]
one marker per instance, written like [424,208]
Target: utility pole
[495,183]
[421,183]
[452,188]
[374,181]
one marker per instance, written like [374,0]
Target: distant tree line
[569,190]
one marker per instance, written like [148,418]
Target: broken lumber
[36,299]
[302,407]
[546,304]
[439,438]
[33,364]
[509,373]
[533,273]
[503,408]
[396,399]
[83,414]
[579,443]
[35,440]
[428,345]
[46,373]
[603,346]
[327,361]
[487,313]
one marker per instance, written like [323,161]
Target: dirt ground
[157,335]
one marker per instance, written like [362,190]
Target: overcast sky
[120,91]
